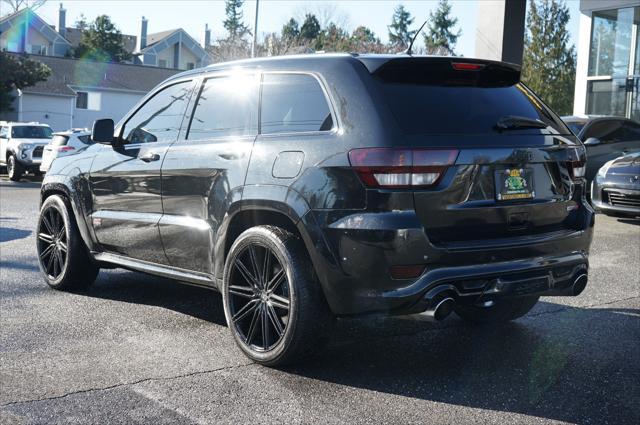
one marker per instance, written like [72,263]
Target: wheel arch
[58,185]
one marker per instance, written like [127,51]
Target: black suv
[309,187]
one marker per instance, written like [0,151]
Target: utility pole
[255,32]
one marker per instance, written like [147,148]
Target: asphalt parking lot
[139,349]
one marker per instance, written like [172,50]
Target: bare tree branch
[16,5]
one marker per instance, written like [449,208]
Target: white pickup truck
[21,147]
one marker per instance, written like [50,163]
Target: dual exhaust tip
[441,303]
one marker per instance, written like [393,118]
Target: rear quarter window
[293,103]
[59,140]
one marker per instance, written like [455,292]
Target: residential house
[80,91]
[25,32]
[169,49]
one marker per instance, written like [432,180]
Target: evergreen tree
[291,30]
[399,34]
[310,29]
[440,38]
[549,62]
[233,24]
[363,40]
[102,41]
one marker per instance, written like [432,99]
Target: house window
[88,100]
[190,65]
[162,63]
[38,49]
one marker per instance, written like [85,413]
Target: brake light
[65,148]
[577,169]
[466,66]
[401,168]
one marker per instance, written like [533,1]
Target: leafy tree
[399,34]
[549,62]
[102,41]
[18,72]
[310,29]
[233,24]
[333,39]
[16,5]
[440,38]
[291,29]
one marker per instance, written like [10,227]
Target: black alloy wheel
[52,243]
[259,297]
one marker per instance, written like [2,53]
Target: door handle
[149,157]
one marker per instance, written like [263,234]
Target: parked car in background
[65,143]
[21,147]
[616,188]
[606,138]
[309,187]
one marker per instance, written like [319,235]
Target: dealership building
[608,66]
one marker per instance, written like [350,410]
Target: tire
[63,258]
[290,282]
[14,169]
[501,311]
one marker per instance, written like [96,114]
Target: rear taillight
[65,148]
[401,168]
[577,169]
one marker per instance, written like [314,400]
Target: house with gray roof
[81,91]
[25,32]
[174,48]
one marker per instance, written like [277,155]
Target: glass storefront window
[607,97]
[611,42]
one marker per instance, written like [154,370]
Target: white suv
[65,143]
[21,147]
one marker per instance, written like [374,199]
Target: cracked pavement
[136,349]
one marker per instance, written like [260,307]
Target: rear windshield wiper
[514,122]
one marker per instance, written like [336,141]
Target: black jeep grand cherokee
[309,187]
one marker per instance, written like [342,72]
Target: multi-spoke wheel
[52,243]
[62,256]
[273,303]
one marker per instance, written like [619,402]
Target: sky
[193,15]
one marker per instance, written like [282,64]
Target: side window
[631,132]
[293,103]
[160,118]
[227,106]
[4,132]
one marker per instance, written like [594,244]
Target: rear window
[293,103]
[31,132]
[430,97]
[59,140]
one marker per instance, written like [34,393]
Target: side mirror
[102,131]
[592,141]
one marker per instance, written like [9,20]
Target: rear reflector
[401,168]
[465,66]
[406,272]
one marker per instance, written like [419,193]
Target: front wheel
[14,169]
[273,303]
[63,257]
[498,311]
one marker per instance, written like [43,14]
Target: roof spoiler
[448,71]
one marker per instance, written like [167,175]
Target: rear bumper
[353,263]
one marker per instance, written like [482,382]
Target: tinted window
[227,106]
[31,132]
[575,126]
[450,109]
[85,139]
[293,103]
[613,131]
[4,132]
[160,118]
[59,140]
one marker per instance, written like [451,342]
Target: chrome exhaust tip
[440,309]
[579,284]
